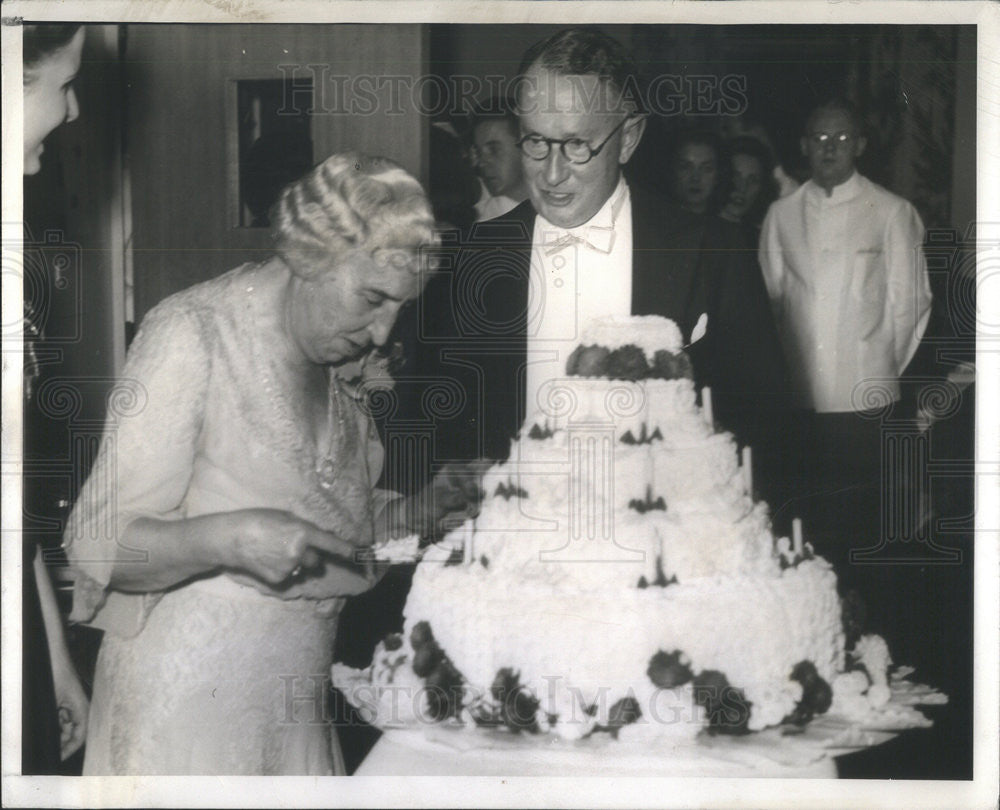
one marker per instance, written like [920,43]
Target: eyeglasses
[837,139]
[575,150]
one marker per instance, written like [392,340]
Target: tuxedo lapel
[485,355]
[666,243]
[495,261]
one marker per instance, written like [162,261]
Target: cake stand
[454,749]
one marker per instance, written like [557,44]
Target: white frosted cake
[619,575]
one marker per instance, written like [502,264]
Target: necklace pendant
[327,474]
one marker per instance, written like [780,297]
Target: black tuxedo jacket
[472,323]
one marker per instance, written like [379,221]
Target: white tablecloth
[445,752]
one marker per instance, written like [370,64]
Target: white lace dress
[221,675]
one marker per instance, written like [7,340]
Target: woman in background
[51,56]
[53,706]
[752,187]
[231,505]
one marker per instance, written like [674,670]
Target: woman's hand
[73,709]
[269,545]
[274,545]
[452,497]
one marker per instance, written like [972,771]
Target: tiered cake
[619,575]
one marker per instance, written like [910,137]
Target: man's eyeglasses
[836,139]
[575,150]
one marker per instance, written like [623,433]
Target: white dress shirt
[577,275]
[848,281]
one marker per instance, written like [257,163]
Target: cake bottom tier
[580,654]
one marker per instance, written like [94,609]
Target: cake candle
[748,470]
[706,406]
[797,537]
[467,550]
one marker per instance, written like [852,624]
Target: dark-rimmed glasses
[575,150]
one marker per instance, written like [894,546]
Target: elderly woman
[217,536]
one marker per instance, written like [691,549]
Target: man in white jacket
[845,271]
[844,268]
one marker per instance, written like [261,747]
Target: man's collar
[598,232]
[842,192]
[605,217]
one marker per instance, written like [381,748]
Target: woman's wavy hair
[753,147]
[353,202]
[41,41]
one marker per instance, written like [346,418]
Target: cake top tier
[651,333]
[634,348]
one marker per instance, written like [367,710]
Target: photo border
[490,792]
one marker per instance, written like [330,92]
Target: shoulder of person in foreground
[199,300]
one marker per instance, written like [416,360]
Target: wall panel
[180,86]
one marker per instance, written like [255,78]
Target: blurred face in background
[832,144]
[49,98]
[695,173]
[497,158]
[748,181]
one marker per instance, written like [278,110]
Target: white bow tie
[596,237]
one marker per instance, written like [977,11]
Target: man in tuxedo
[512,294]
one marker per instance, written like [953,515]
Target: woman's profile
[54,705]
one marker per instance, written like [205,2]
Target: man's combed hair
[351,202]
[586,52]
[837,104]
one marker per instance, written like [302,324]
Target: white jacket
[848,281]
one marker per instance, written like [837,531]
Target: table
[442,751]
